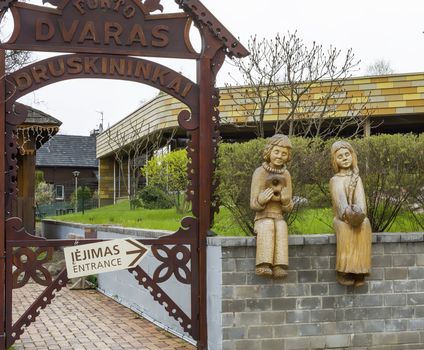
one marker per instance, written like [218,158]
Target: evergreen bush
[152,197]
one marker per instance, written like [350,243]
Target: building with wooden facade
[65,156]
[394,104]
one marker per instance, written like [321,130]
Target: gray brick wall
[310,310]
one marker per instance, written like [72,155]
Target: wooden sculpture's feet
[346,279]
[359,280]
[279,272]
[263,270]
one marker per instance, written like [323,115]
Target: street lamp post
[76,174]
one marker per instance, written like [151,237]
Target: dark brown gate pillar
[205,182]
[2,204]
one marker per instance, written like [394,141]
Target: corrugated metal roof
[68,151]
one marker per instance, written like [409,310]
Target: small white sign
[107,256]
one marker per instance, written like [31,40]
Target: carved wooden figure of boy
[270,198]
[353,229]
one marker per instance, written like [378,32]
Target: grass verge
[308,221]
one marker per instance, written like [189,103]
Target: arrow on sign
[140,251]
[107,256]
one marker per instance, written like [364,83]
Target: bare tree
[380,67]
[304,84]
[16,60]
[132,146]
[259,73]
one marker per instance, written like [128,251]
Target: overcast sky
[374,29]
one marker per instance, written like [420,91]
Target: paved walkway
[82,320]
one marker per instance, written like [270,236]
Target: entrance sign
[103,39]
[79,66]
[94,258]
[101,26]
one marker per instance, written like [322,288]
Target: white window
[60,192]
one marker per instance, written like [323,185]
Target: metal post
[76,174]
[2,204]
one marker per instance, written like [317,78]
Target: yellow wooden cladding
[385,95]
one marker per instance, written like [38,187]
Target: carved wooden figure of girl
[270,198]
[353,229]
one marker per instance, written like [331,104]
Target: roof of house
[68,151]
[37,117]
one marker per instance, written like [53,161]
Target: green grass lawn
[121,215]
[308,221]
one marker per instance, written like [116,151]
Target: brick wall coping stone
[315,239]
[239,241]
[138,232]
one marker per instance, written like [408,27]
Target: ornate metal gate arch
[101,35]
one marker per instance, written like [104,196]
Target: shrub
[44,193]
[169,173]
[391,169]
[152,197]
[236,164]
[83,196]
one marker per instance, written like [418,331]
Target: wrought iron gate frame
[202,122]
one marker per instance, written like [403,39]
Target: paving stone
[75,320]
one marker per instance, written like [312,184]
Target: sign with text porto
[107,256]
[124,27]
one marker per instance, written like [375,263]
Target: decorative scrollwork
[11,173]
[56,3]
[216,65]
[5,4]
[152,5]
[174,262]
[187,121]
[30,263]
[204,16]
[192,174]
[40,303]
[162,298]
[16,113]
